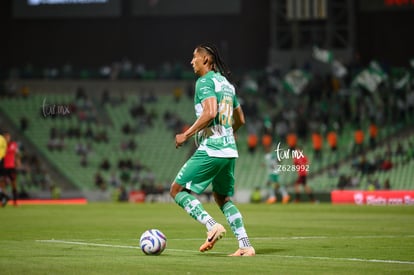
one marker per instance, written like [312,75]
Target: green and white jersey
[217,139]
[271,163]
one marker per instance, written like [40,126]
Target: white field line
[316,237]
[109,245]
[281,238]
[192,251]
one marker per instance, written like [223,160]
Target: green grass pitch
[102,238]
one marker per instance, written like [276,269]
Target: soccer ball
[153,242]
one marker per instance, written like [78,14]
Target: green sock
[235,220]
[194,208]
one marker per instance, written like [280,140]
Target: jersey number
[225,111]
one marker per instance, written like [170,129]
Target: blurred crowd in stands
[123,69]
[319,115]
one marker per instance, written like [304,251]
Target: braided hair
[217,60]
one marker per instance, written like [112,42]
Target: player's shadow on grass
[269,251]
[262,251]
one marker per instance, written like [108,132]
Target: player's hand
[179,140]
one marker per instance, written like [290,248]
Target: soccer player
[219,116]
[3,148]
[302,167]
[11,161]
[273,178]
